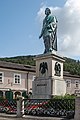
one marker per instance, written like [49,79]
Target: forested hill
[29,60]
[70,65]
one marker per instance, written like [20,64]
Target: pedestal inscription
[42,89]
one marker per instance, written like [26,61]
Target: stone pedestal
[49,76]
[77,108]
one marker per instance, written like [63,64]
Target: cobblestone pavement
[13,117]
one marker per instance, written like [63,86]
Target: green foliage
[72,66]
[66,96]
[28,60]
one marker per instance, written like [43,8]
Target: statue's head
[47,11]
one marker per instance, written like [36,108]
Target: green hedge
[67,96]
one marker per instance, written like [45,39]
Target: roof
[68,74]
[16,66]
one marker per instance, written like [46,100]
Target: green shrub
[66,96]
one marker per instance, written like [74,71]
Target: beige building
[16,79]
[72,83]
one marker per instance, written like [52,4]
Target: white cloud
[68,26]
[41,14]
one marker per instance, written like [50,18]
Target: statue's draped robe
[49,33]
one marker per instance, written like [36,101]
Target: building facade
[15,79]
[72,83]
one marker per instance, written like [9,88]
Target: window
[17,78]
[68,83]
[77,84]
[1,77]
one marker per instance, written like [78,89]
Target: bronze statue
[48,32]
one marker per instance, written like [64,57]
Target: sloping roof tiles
[16,66]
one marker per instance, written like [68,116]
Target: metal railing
[8,106]
[48,107]
[39,107]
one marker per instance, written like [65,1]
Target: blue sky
[20,27]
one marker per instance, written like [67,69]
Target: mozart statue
[48,32]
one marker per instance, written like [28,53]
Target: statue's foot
[50,50]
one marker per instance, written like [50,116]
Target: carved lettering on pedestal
[41,84]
